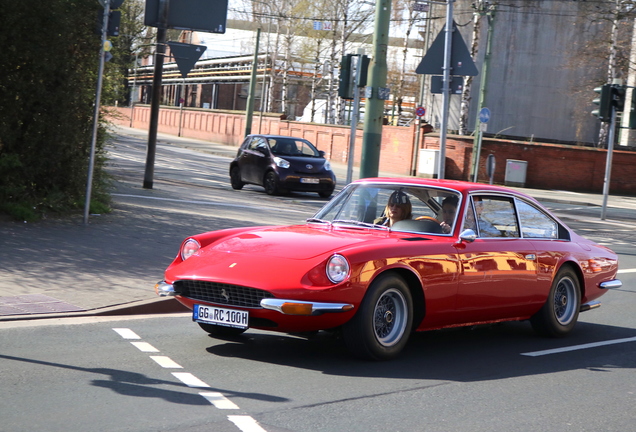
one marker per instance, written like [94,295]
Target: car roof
[276,136]
[458,185]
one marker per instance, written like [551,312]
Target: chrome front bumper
[293,307]
[164,289]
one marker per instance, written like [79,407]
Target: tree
[49,67]
[134,40]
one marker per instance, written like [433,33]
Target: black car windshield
[284,146]
[401,207]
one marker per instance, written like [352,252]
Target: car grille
[225,294]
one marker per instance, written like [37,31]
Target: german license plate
[309,180]
[220,316]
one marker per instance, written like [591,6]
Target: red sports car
[389,256]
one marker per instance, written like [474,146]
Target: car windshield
[284,146]
[424,209]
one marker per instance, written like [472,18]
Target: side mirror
[468,236]
[321,153]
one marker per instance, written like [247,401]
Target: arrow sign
[462,63]
[186,55]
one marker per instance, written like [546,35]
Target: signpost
[202,15]
[484,116]
[448,56]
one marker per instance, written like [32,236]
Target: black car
[281,164]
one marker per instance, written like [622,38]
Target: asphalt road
[163,373]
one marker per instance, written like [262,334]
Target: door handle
[531,257]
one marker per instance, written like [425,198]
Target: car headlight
[189,248]
[337,268]
[281,163]
[327,166]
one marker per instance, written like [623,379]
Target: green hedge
[47,90]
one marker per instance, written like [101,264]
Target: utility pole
[374,107]
[489,12]
[249,110]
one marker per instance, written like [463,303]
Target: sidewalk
[60,268]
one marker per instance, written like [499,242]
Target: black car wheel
[235,178]
[381,327]
[220,331]
[560,312]
[325,194]
[271,183]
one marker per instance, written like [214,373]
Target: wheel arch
[572,265]
[416,289]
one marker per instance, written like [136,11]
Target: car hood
[297,242]
[273,257]
[303,163]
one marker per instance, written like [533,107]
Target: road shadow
[468,354]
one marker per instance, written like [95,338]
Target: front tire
[560,312]
[221,331]
[381,327]
[325,194]
[235,178]
[270,183]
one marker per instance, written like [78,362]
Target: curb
[141,307]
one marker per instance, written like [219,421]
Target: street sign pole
[98,95]
[355,116]
[160,50]
[483,117]
[446,89]
[608,162]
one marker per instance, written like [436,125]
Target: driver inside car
[397,208]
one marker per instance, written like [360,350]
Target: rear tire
[235,178]
[220,331]
[560,312]
[381,327]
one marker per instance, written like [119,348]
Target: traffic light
[618,97]
[632,111]
[114,20]
[604,102]
[345,87]
[361,77]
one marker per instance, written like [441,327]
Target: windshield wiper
[360,223]
[316,220]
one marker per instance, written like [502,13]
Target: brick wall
[228,127]
[549,166]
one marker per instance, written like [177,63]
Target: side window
[535,223]
[495,216]
[258,144]
[253,144]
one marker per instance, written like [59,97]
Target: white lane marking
[627,270]
[127,333]
[578,347]
[166,362]
[218,400]
[215,203]
[190,380]
[246,423]
[144,347]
